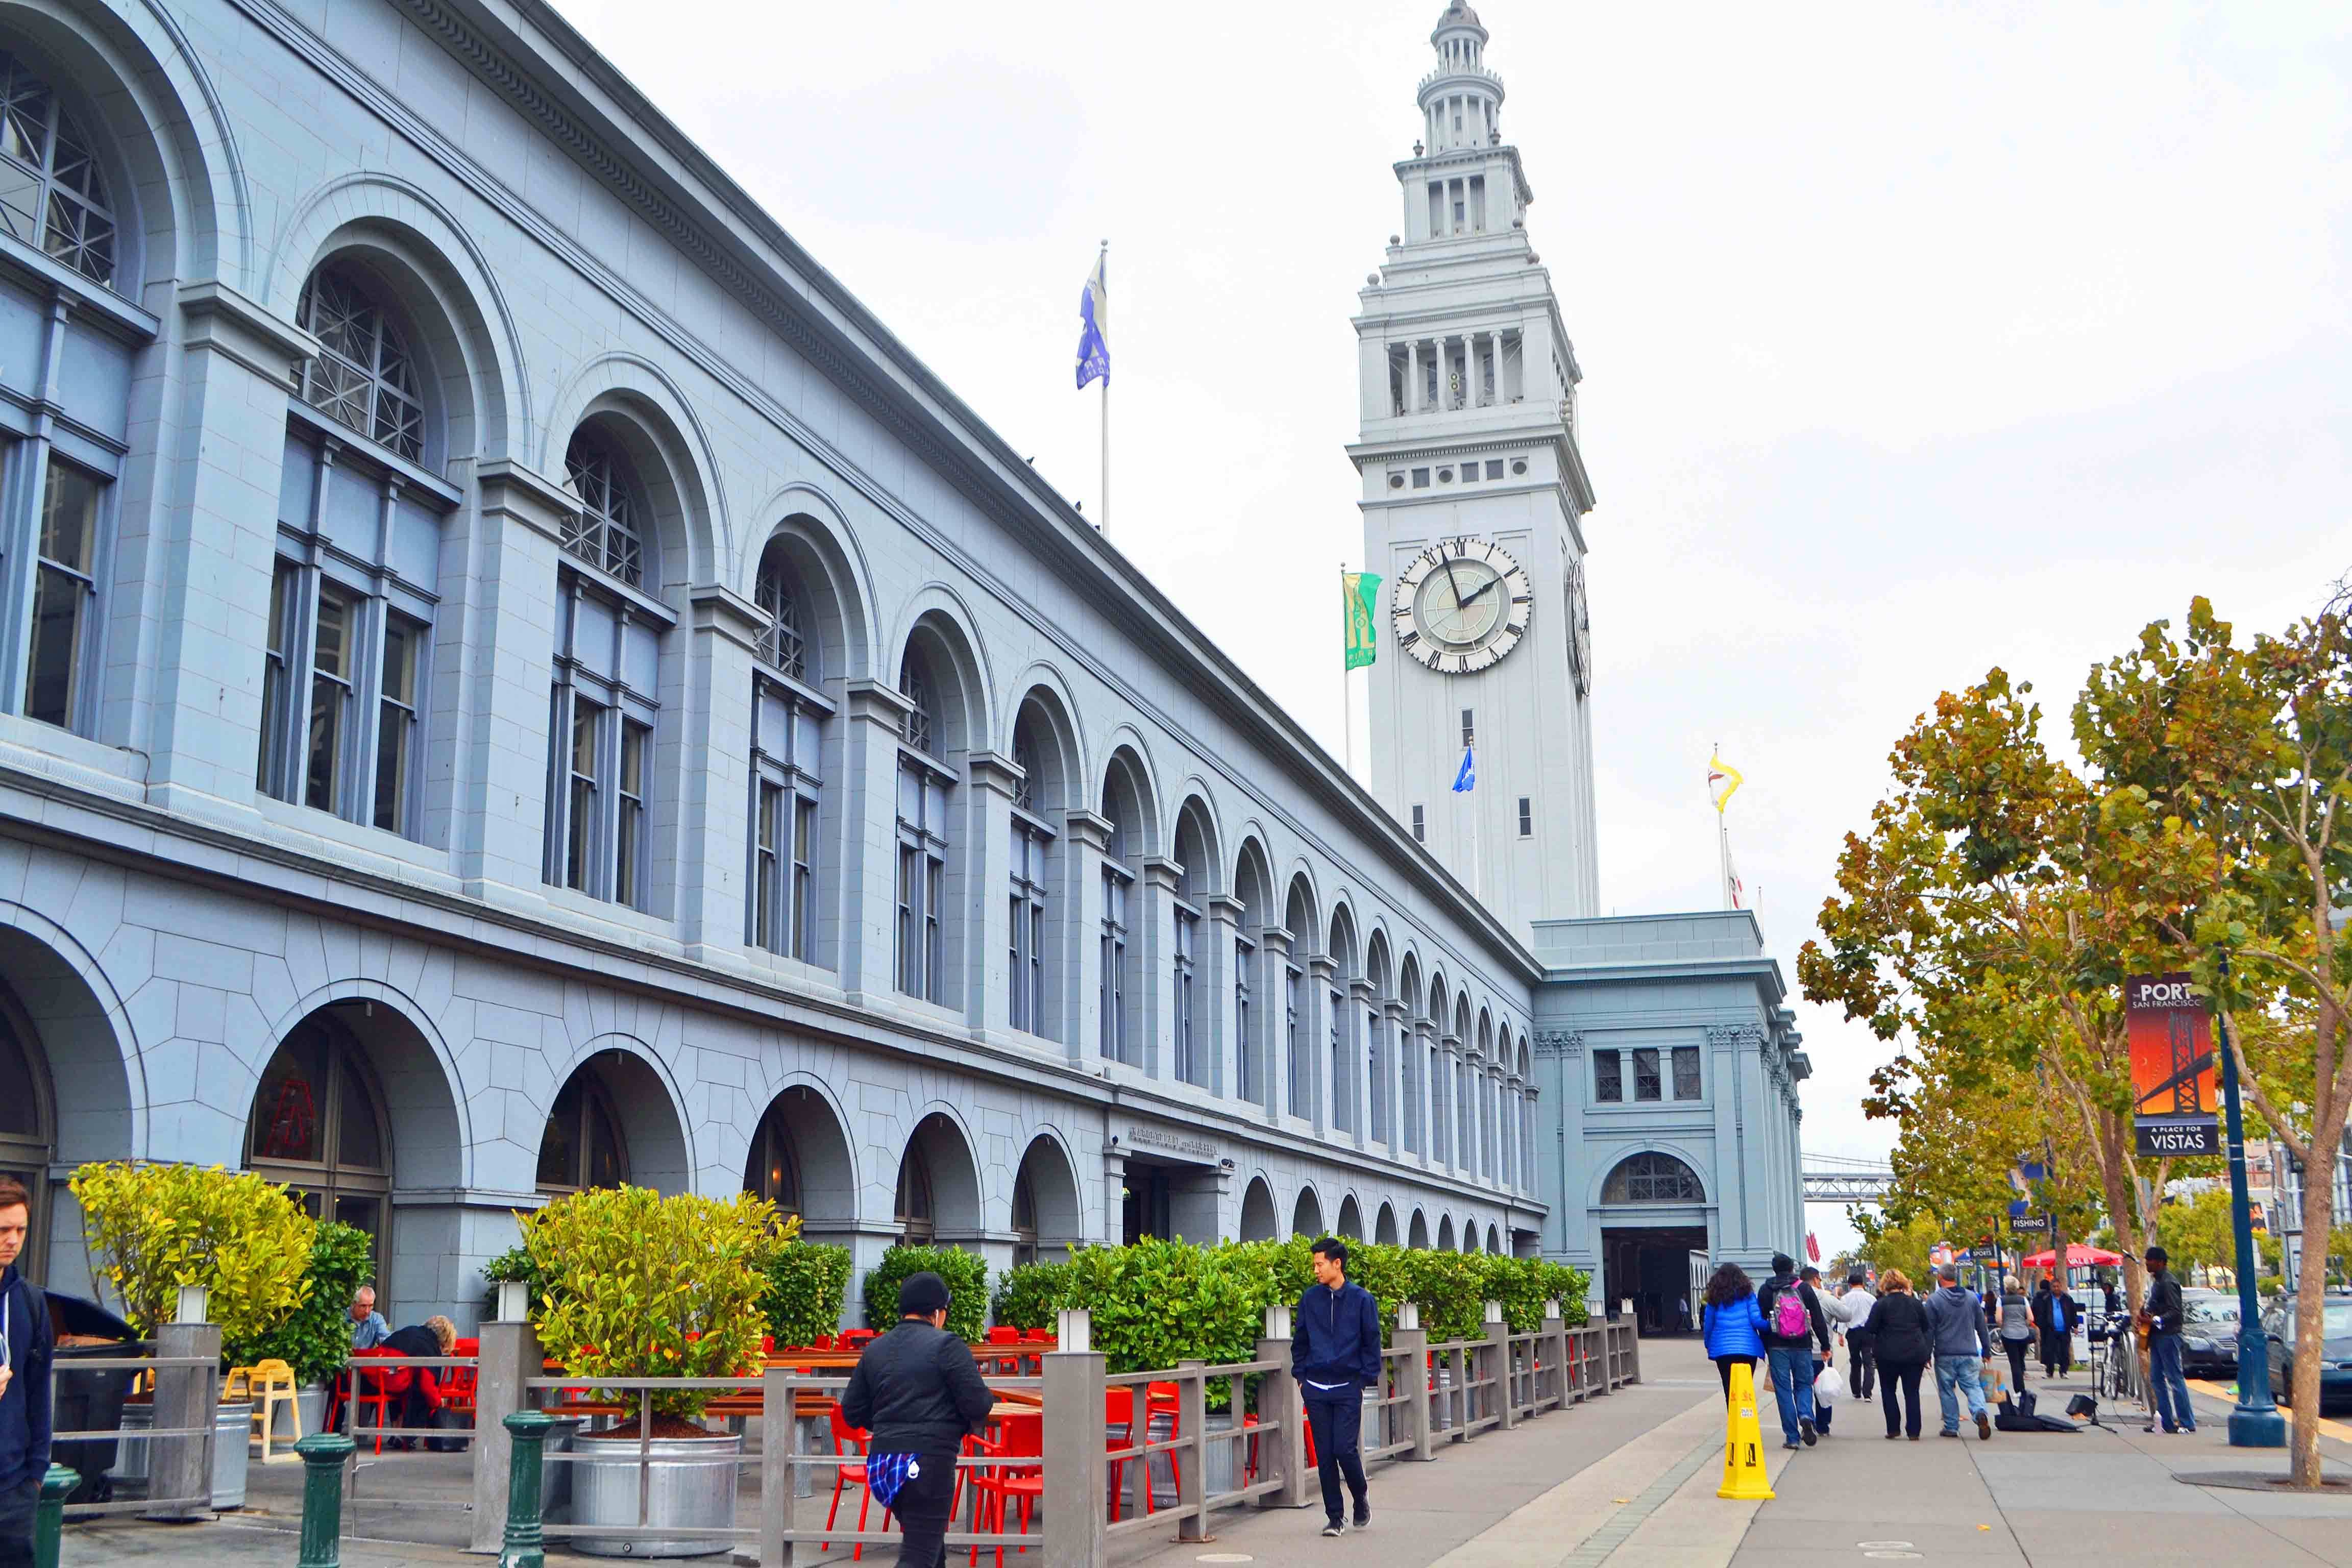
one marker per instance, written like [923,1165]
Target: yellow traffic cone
[1743,1447]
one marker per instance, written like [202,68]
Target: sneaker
[1805,1430]
[1948,1434]
[1984,1426]
[1891,1437]
[1336,1528]
[1793,1448]
[1914,1436]
[1363,1513]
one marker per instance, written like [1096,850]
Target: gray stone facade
[513,678]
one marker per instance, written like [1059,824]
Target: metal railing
[205,1371]
[353,1376]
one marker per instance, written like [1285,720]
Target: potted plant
[315,1339]
[633,1284]
[152,1228]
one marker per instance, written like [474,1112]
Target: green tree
[2198,1233]
[2226,774]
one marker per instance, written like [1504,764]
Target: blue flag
[1467,779]
[1094,327]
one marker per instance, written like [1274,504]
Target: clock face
[1579,629]
[1461,606]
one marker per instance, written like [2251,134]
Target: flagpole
[1723,842]
[1103,260]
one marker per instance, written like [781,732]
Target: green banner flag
[1358,590]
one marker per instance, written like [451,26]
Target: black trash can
[92,1400]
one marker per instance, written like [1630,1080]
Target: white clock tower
[1473,492]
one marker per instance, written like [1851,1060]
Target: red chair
[1038,1337]
[1119,1411]
[821,1343]
[379,1389]
[1249,1464]
[1015,1471]
[1004,1336]
[459,1384]
[1161,1399]
[858,1339]
[850,1441]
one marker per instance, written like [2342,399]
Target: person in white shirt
[1857,1298]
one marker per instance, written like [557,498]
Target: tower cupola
[1460,100]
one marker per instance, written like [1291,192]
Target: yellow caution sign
[1743,1444]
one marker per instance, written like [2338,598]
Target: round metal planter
[605,1492]
[232,1428]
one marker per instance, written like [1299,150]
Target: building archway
[1445,1234]
[1416,1235]
[938,1197]
[1494,1240]
[29,1125]
[799,1161]
[1470,1236]
[1350,1223]
[1257,1211]
[1307,1216]
[1047,1217]
[1654,1218]
[1384,1227]
[613,1123]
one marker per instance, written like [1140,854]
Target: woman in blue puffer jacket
[1733,1322]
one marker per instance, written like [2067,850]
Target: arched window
[913,1208]
[772,1171]
[1192,882]
[788,788]
[28,1128]
[52,192]
[1033,840]
[922,839]
[582,1146]
[1651,1178]
[605,531]
[1117,891]
[1024,1217]
[366,379]
[317,1125]
[605,702]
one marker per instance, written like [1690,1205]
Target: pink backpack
[1789,1320]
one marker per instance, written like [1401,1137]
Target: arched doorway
[319,1125]
[613,1122]
[1351,1219]
[1493,1241]
[1654,1217]
[1384,1227]
[1307,1214]
[1416,1235]
[938,1185]
[1470,1236]
[28,1126]
[1445,1234]
[1047,1216]
[799,1161]
[1257,1211]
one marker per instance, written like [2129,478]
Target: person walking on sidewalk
[24,1382]
[1956,1333]
[2016,1330]
[1793,1324]
[1335,1355]
[2055,1313]
[1860,1333]
[920,1391]
[2168,1389]
[1900,1346]
[1732,1322]
[1824,1406]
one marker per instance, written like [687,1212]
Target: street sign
[2030,1223]
[1984,1254]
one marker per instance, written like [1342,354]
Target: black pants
[1860,1359]
[1723,1365]
[1338,1426]
[18,1502]
[2057,1352]
[923,1505]
[1897,1376]
[2017,1350]
[1821,1407]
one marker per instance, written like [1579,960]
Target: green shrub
[965,1272]
[150,1229]
[638,1285]
[806,1282]
[1028,1295]
[511,1266]
[317,1338]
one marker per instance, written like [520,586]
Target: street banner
[2030,1223]
[2174,1098]
[1360,638]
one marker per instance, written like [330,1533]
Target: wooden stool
[270,1384]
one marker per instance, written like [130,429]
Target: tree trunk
[2310,1293]
[2116,1174]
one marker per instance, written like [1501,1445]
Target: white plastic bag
[1828,1385]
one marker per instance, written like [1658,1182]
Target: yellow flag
[1723,781]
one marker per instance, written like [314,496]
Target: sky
[1918,338]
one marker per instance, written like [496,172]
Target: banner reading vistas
[2173,1094]
[1358,590]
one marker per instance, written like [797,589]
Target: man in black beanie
[919,1391]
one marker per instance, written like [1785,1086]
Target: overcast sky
[1917,338]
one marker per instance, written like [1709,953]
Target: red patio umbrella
[2079,1254]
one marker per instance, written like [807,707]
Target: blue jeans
[1792,1387]
[2168,1389]
[1960,1370]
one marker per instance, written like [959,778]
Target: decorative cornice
[1559,1042]
[1163,875]
[877,704]
[1225,909]
[994,771]
[722,610]
[225,321]
[1088,829]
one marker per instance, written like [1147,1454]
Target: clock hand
[1489,583]
[1452,581]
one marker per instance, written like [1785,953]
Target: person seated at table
[368,1328]
[433,1337]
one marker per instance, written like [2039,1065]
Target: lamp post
[2256,1423]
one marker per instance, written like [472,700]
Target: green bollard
[525,1546]
[323,1455]
[49,1518]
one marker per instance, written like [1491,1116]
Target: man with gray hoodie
[1957,1332]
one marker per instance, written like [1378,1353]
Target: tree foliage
[315,1339]
[150,1229]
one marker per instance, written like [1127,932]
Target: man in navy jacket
[24,1382]
[1335,1353]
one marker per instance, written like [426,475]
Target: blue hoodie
[25,1408]
[1734,1330]
[1335,1342]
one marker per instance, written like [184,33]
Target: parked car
[2334,1350]
[2209,1339]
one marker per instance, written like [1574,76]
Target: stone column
[1400,1040]
[987,829]
[1363,1038]
[1413,383]
[1114,1194]
[714,827]
[1155,936]
[1216,1028]
[1450,1066]
[867,884]
[1322,1094]
[1085,835]
[1273,1063]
